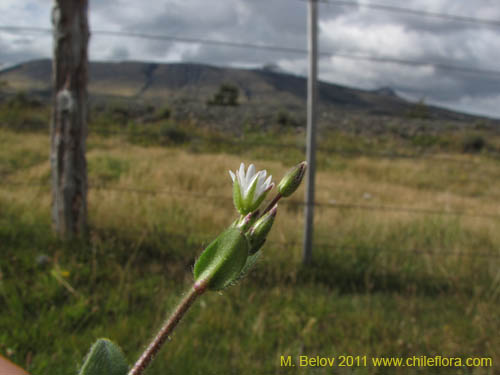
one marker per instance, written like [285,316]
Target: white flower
[250,188]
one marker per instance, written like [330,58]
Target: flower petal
[250,184]
[261,187]
[268,181]
[232,175]
[250,173]
[237,198]
[241,172]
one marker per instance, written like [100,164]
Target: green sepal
[259,200]
[248,201]
[237,199]
[258,233]
[104,358]
[221,262]
[255,246]
[245,222]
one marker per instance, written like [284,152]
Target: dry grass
[187,181]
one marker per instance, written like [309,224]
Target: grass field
[384,282]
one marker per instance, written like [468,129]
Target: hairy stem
[167,328]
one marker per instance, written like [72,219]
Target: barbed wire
[284,49]
[418,251]
[289,244]
[331,205]
[325,205]
[413,12]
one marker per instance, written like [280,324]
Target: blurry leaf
[104,358]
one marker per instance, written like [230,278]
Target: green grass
[362,297]
[382,283]
[105,169]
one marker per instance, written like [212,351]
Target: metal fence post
[311,129]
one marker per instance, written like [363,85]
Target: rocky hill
[262,96]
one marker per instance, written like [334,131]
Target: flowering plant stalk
[222,264]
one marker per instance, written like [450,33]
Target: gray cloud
[343,30]
[421,39]
[14,49]
[120,53]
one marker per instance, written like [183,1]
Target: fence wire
[325,205]
[292,244]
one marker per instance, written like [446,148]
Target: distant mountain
[262,92]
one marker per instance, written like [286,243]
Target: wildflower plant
[222,264]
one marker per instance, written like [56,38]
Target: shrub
[473,143]
[226,96]
[163,113]
[170,133]
[419,110]
[284,118]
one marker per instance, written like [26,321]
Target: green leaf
[104,358]
[221,262]
[248,201]
[250,262]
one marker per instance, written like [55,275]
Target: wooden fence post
[68,129]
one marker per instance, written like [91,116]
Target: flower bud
[292,179]
[258,233]
[247,221]
[221,262]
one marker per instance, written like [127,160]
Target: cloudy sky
[344,30]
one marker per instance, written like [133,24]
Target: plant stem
[167,328]
[271,204]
